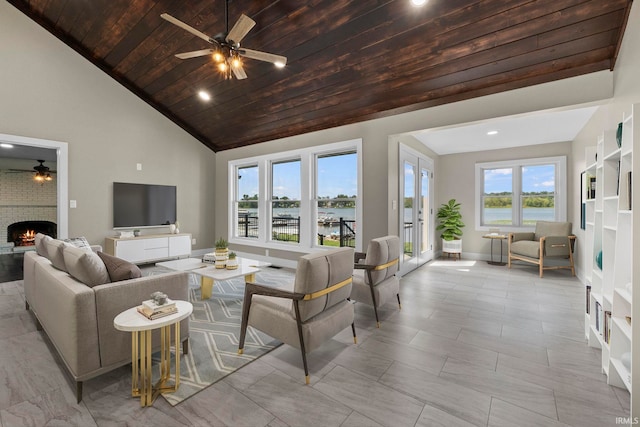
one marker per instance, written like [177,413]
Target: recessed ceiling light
[204,95]
[492,132]
[419,2]
[279,64]
[5,145]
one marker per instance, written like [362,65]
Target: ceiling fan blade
[189,28]
[263,56]
[195,53]
[238,71]
[243,25]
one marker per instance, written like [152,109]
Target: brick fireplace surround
[23,199]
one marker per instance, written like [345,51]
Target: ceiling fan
[227,52]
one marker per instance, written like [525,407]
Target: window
[336,197]
[246,202]
[285,201]
[297,200]
[516,194]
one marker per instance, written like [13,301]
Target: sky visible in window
[534,179]
[286,180]
[247,182]
[338,175]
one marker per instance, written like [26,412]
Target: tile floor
[474,345]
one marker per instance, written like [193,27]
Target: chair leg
[246,305]
[399,305]
[79,391]
[573,270]
[541,268]
[307,380]
[353,328]
[373,299]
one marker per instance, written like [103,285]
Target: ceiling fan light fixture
[223,67]
[235,62]
[42,172]
[217,56]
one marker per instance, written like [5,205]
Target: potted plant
[221,253]
[232,262]
[451,226]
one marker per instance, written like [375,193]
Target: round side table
[499,238]
[140,327]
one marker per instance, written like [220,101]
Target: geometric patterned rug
[214,332]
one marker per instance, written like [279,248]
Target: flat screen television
[143,205]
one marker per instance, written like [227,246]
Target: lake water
[498,216]
[531,215]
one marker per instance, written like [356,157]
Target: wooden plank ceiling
[348,61]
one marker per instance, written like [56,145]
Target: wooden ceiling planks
[347,61]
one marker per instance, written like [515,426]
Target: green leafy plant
[232,255]
[450,220]
[221,243]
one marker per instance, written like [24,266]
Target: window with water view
[305,199]
[517,194]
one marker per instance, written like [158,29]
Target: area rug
[214,332]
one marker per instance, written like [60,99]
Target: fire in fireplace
[23,233]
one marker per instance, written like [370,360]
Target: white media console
[150,248]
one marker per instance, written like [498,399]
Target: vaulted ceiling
[348,61]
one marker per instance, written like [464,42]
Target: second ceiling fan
[227,52]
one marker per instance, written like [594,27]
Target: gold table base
[206,285]
[142,374]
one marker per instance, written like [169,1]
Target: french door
[416,222]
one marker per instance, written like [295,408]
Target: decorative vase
[221,255]
[232,264]
[172,228]
[619,135]
[176,231]
[599,260]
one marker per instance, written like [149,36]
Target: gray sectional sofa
[70,292]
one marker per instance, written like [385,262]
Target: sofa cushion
[41,244]
[79,242]
[85,266]
[55,253]
[118,268]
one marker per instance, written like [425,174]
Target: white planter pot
[452,246]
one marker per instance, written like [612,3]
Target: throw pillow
[85,266]
[79,242]
[41,244]
[55,254]
[118,268]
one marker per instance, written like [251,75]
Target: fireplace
[23,233]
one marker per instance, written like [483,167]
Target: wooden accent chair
[374,279]
[550,240]
[311,311]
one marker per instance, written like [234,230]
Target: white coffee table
[141,350]
[209,273]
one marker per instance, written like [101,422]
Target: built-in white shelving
[609,232]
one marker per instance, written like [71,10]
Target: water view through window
[535,198]
[333,205]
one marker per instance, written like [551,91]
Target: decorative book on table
[152,311]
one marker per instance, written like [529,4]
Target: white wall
[49,91]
